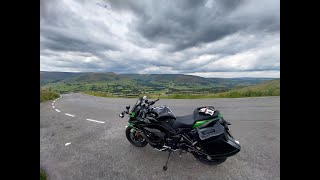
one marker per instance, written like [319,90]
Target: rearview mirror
[121,115]
[128,107]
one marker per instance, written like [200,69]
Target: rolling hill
[51,77]
[268,85]
[133,84]
[268,88]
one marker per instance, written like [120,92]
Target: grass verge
[43,175]
[46,95]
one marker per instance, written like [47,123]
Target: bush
[46,95]
[43,175]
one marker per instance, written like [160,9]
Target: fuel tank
[163,111]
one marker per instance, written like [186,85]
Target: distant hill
[268,85]
[110,82]
[268,88]
[51,77]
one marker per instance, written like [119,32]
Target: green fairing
[130,124]
[132,115]
[199,123]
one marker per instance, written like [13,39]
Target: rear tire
[204,159]
[135,138]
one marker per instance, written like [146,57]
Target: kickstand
[165,167]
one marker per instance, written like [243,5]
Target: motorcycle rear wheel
[135,138]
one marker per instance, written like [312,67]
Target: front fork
[133,128]
[130,124]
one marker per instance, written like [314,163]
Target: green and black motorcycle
[204,133]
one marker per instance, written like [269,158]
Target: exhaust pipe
[164,147]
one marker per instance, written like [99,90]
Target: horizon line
[159,74]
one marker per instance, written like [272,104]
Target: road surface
[82,137]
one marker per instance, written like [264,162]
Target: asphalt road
[72,147]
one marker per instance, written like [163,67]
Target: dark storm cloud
[64,42]
[184,24]
[198,37]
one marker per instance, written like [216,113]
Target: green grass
[269,88]
[46,95]
[111,83]
[100,94]
[43,175]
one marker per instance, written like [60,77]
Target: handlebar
[144,111]
[151,102]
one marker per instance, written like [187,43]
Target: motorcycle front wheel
[135,138]
[207,159]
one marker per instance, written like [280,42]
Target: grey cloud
[183,36]
[183,24]
[60,41]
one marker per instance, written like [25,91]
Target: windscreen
[138,103]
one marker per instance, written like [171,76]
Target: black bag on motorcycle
[198,115]
[215,141]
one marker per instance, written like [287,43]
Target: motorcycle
[204,133]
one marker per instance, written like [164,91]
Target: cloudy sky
[209,38]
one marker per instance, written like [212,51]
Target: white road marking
[69,114]
[57,110]
[52,104]
[95,121]
[67,144]
[54,101]
[53,107]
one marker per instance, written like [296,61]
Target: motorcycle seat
[183,122]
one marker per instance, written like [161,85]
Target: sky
[208,38]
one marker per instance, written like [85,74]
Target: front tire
[208,160]
[135,138]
